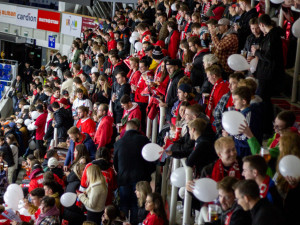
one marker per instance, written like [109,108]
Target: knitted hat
[157,53]
[185,88]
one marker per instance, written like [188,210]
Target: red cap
[63,101]
[160,43]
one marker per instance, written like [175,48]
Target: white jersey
[79,102]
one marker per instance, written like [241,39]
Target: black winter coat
[245,30]
[73,214]
[7,154]
[270,57]
[264,213]
[131,167]
[198,75]
[62,122]
[203,154]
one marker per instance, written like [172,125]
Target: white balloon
[152,152]
[296,28]
[277,1]
[238,62]
[32,145]
[173,7]
[15,189]
[206,190]
[178,177]
[68,199]
[253,65]
[289,165]
[11,200]
[27,122]
[138,46]
[181,192]
[132,39]
[135,34]
[34,115]
[231,121]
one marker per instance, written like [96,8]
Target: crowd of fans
[97,100]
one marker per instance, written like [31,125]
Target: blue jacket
[89,144]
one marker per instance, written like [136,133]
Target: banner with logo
[8,13]
[48,20]
[71,25]
[27,17]
[88,23]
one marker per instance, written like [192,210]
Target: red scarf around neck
[218,171]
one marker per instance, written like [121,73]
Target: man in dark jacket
[76,138]
[256,37]
[175,73]
[255,168]
[198,75]
[7,155]
[232,213]
[262,211]
[270,67]
[243,28]
[131,167]
[203,152]
[120,88]
[62,121]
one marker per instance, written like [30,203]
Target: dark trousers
[143,107]
[128,202]
[94,217]
[266,89]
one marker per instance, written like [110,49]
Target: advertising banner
[8,13]
[48,20]
[71,25]
[88,23]
[27,17]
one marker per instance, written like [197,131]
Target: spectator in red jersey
[39,126]
[104,129]
[157,214]
[36,176]
[144,32]
[55,96]
[111,43]
[173,40]
[85,123]
[214,76]
[134,74]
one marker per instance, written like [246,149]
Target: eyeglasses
[277,127]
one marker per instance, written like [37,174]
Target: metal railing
[187,207]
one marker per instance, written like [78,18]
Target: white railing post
[154,129]
[267,9]
[55,138]
[296,73]
[187,196]
[252,3]
[174,193]
[162,117]
[281,18]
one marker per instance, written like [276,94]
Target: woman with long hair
[112,216]
[289,144]
[74,214]
[142,189]
[80,151]
[95,195]
[13,144]
[103,91]
[157,214]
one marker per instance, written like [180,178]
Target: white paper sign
[27,17]
[8,13]
[71,25]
